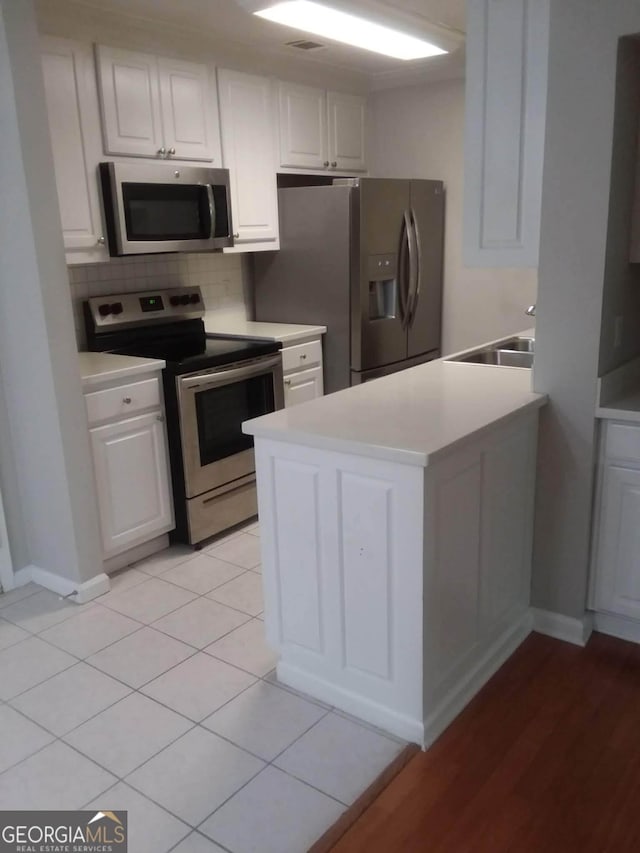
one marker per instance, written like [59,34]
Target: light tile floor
[160,697]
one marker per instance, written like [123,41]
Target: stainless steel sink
[519,344]
[515,352]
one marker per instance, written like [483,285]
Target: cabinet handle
[172,151]
[162,151]
[126,400]
[160,418]
[334,164]
[101,241]
[287,382]
[326,164]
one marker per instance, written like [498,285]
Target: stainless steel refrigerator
[364,258]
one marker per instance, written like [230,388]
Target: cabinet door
[346,123]
[507,48]
[132,479]
[130,102]
[248,152]
[74,124]
[189,111]
[618,554]
[303,127]
[303,386]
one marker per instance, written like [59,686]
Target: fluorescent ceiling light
[339,26]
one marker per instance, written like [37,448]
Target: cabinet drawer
[623,441]
[123,401]
[301,356]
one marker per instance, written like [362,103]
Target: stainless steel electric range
[210,386]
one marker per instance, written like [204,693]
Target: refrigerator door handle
[404,269]
[416,271]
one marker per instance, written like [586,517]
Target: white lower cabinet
[131,465]
[616,569]
[393,591]
[303,386]
[302,370]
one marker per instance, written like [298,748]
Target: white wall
[418,132]
[575,211]
[46,418]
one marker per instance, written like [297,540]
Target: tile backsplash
[224,280]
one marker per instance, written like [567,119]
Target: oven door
[213,405]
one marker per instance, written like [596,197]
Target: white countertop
[284,332]
[412,416]
[98,367]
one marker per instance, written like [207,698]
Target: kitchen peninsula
[396,521]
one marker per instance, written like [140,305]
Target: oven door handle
[224,376]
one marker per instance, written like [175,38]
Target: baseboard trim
[459,696]
[401,725]
[617,626]
[78,593]
[576,631]
[133,555]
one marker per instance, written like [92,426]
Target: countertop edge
[403,456]
[109,374]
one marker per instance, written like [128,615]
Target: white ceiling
[226,19]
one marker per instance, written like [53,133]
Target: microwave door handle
[231,374]
[212,211]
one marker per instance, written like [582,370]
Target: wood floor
[546,758]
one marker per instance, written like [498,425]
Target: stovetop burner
[185,356]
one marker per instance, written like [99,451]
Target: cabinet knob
[303,356]
[236,236]
[101,241]
[287,382]
[334,164]
[126,400]
[162,151]
[172,151]
[326,164]
[160,418]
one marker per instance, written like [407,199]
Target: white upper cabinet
[303,126]
[346,117]
[246,111]
[189,102]
[74,123]
[321,130]
[506,91]
[156,107]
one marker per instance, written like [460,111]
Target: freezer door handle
[415,269]
[404,269]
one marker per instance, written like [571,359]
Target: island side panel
[342,569]
[479,506]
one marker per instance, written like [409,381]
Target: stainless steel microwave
[153,208]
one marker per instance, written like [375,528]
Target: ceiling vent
[306,44]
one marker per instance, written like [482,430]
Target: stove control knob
[174,300]
[184,300]
[104,310]
[116,308]
[194,298]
